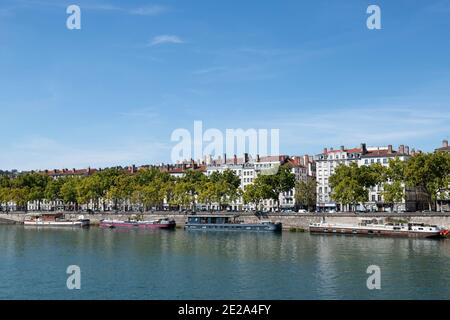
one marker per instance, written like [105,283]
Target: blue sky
[113,92]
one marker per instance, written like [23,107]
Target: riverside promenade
[289,220]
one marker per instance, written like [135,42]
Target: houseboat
[228,223]
[163,223]
[54,220]
[378,228]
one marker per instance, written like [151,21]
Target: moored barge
[54,220]
[228,223]
[163,223]
[371,228]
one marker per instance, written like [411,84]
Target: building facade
[329,159]
[444,196]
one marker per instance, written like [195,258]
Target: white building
[303,169]
[444,201]
[247,169]
[329,159]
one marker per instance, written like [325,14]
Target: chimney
[390,148]
[342,148]
[325,150]
[444,143]
[224,158]
[363,148]
[245,157]
[407,149]
[401,149]
[235,159]
[257,158]
[331,149]
[305,160]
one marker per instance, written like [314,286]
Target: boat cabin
[49,216]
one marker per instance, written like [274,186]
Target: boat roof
[36,214]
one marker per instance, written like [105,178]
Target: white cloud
[162,39]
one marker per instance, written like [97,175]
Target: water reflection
[162,264]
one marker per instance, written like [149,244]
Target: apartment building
[329,159]
[444,201]
[247,169]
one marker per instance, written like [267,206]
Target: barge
[54,220]
[373,228]
[163,223]
[228,223]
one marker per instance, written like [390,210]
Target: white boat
[55,220]
[374,228]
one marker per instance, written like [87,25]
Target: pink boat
[163,223]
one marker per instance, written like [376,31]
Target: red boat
[163,223]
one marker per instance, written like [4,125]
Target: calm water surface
[161,264]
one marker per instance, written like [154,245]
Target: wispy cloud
[376,125]
[165,39]
[148,10]
[4,12]
[38,153]
[209,70]
[151,10]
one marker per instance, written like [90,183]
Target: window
[373,197]
[366,161]
[372,161]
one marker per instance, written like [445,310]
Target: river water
[160,264]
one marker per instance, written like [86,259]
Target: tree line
[425,173]
[144,190]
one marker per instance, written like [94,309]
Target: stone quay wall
[289,221]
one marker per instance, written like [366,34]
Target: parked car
[302,211]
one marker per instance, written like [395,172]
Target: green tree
[252,195]
[53,190]
[429,172]
[347,185]
[89,190]
[69,192]
[305,193]
[393,192]
[120,192]
[393,182]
